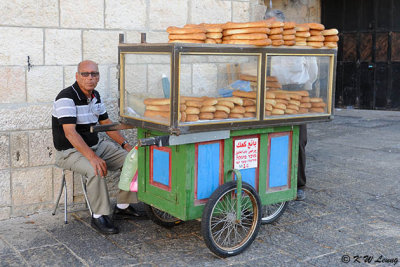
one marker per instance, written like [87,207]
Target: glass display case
[182,88]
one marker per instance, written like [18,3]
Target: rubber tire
[154,215]
[207,218]
[274,217]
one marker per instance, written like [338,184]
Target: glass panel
[147,86]
[296,85]
[218,87]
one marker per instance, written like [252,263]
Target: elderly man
[75,109]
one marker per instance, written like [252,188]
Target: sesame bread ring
[305,99]
[156,114]
[207,109]
[290,111]
[239,25]
[277,111]
[302,28]
[236,115]
[210,41]
[305,105]
[210,102]
[193,103]
[192,36]
[273,85]
[264,42]
[220,115]
[300,39]
[188,98]
[214,35]
[192,111]
[276,37]
[268,113]
[187,41]
[272,79]
[301,92]
[277,24]
[238,109]
[280,95]
[156,101]
[331,44]
[270,95]
[330,32]
[316,26]
[293,107]
[270,101]
[183,116]
[249,36]
[276,31]
[289,43]
[251,109]
[289,32]
[315,32]
[206,116]
[240,93]
[315,44]
[182,107]
[191,118]
[219,41]
[246,30]
[228,104]
[294,102]
[280,106]
[282,101]
[331,38]
[289,25]
[235,100]
[278,42]
[318,110]
[294,96]
[248,102]
[213,29]
[158,107]
[268,107]
[177,30]
[318,105]
[303,34]
[315,38]
[302,110]
[289,37]
[249,115]
[222,108]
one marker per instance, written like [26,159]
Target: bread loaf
[206,116]
[220,115]
[177,30]
[246,30]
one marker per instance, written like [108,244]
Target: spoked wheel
[272,212]
[223,234]
[161,218]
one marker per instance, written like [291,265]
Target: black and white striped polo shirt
[71,106]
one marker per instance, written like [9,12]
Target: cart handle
[239,192]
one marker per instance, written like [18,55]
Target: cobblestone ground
[351,213]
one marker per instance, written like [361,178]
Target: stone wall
[56,35]
[299,11]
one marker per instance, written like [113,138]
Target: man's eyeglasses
[86,74]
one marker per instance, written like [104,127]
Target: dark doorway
[368,63]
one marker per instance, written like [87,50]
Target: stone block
[12,85]
[257,11]
[57,178]
[134,37]
[125,14]
[204,79]
[210,11]
[25,210]
[136,80]
[4,151]
[44,83]
[101,46]
[41,148]
[240,11]
[24,117]
[69,75]
[75,14]
[32,186]
[157,37]
[19,149]
[63,47]
[5,213]
[16,44]
[33,13]
[159,10]
[5,196]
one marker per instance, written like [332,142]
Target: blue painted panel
[208,163]
[249,176]
[279,161]
[161,167]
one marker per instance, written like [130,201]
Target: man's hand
[99,166]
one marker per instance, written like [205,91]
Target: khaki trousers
[96,186]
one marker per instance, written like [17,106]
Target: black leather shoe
[126,214]
[104,225]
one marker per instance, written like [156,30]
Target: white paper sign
[246,153]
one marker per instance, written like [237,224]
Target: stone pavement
[352,209]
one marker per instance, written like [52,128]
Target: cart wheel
[161,218]
[223,234]
[272,212]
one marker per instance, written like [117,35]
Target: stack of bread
[331,38]
[305,103]
[213,32]
[316,38]
[302,33]
[158,108]
[317,105]
[186,35]
[276,33]
[289,33]
[253,33]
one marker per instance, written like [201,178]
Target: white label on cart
[246,153]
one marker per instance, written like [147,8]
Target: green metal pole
[239,192]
